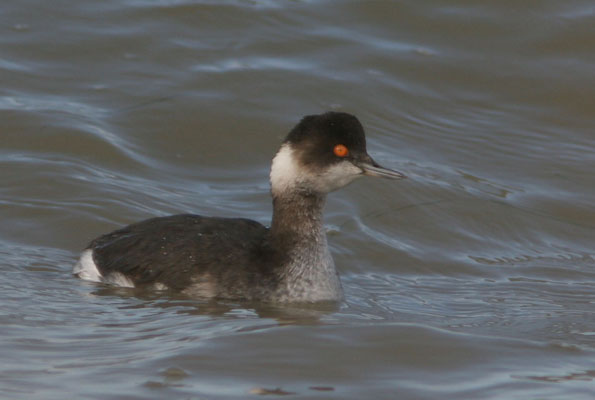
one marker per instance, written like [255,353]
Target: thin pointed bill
[371,168]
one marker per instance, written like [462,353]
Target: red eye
[340,150]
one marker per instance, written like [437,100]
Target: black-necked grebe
[238,258]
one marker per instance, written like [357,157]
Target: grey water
[472,279]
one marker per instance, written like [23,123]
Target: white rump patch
[86,269]
[118,279]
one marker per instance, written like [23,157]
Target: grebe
[237,258]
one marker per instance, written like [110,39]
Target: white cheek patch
[286,174]
[337,176]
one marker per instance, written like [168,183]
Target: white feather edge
[86,269]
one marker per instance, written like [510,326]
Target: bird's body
[237,258]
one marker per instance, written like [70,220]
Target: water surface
[473,279]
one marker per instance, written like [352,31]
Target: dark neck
[297,217]
[297,232]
